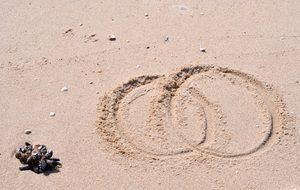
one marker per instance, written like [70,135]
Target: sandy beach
[152,94]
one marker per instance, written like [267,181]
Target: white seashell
[202,49]
[27,131]
[64,89]
[52,114]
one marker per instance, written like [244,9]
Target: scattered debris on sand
[112,37]
[36,158]
[68,31]
[64,89]
[166,38]
[52,114]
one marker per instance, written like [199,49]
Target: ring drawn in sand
[198,110]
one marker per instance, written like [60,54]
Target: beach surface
[158,94]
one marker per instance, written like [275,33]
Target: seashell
[52,114]
[24,167]
[112,37]
[43,165]
[64,89]
[202,49]
[49,154]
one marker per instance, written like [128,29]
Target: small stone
[257,126]
[52,114]
[27,131]
[138,66]
[91,82]
[201,13]
[202,49]
[64,89]
[146,15]
[69,30]
[127,41]
[112,37]
[166,38]
[99,71]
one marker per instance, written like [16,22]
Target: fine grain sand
[160,94]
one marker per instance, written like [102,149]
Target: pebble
[52,114]
[91,82]
[202,49]
[64,89]
[27,131]
[112,37]
[166,38]
[138,66]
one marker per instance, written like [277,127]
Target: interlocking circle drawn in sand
[197,110]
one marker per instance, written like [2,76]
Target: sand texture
[152,94]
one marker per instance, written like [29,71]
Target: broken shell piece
[112,37]
[52,114]
[49,154]
[64,89]
[24,167]
[43,165]
[202,49]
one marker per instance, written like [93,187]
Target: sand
[190,94]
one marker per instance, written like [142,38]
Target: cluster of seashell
[36,158]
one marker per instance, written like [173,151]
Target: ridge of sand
[154,127]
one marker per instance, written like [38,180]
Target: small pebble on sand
[202,49]
[91,82]
[64,89]
[138,66]
[27,131]
[52,114]
[112,37]
[146,15]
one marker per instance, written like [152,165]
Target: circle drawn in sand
[197,110]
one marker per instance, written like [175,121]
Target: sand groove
[196,110]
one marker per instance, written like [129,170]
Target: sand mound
[198,110]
